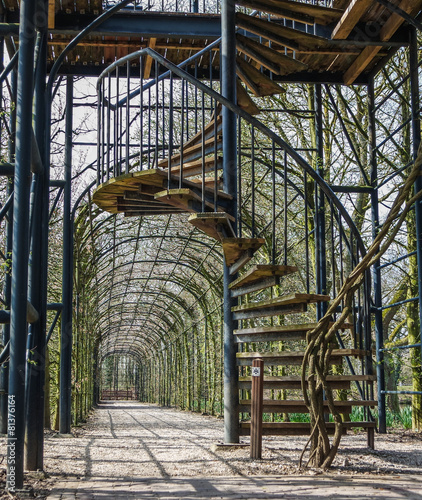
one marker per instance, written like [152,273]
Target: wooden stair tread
[292,357]
[282,354]
[195,148]
[269,58]
[292,382]
[209,129]
[233,248]
[258,83]
[285,332]
[292,402]
[208,222]
[107,195]
[304,327]
[299,406]
[307,425]
[293,298]
[181,198]
[195,167]
[286,37]
[296,11]
[244,101]
[330,378]
[259,271]
[299,428]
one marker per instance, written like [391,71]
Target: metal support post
[376,271]
[320,246]
[416,133]
[20,254]
[228,81]
[67,290]
[35,373]
[257,396]
[4,370]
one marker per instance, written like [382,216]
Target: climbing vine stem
[316,360]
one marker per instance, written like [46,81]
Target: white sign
[256,371]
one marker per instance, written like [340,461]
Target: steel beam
[7,289]
[67,283]
[376,271]
[35,373]
[320,243]
[228,81]
[20,254]
[416,133]
[154,24]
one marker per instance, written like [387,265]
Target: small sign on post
[256,407]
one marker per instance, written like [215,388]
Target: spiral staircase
[284,40]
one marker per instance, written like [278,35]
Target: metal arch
[193,289]
[177,319]
[160,333]
[101,320]
[160,293]
[215,246]
[133,354]
[160,261]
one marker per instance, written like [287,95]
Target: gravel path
[134,450]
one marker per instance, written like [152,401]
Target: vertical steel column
[4,370]
[67,285]
[35,373]
[320,247]
[228,84]
[376,271]
[416,133]
[18,325]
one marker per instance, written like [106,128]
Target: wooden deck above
[349,39]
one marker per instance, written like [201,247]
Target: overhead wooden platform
[310,43]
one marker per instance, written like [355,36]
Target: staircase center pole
[376,271]
[228,82]
[67,280]
[321,262]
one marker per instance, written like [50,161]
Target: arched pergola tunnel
[304,186]
[157,297]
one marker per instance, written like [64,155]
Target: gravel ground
[128,440]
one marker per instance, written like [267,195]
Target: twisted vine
[316,360]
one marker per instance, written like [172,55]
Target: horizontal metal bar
[148,24]
[401,392]
[32,315]
[410,346]
[55,306]
[8,29]
[352,189]
[391,262]
[397,304]
[57,183]
[7,169]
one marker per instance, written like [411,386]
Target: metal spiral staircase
[173,164]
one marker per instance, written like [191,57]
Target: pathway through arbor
[134,450]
